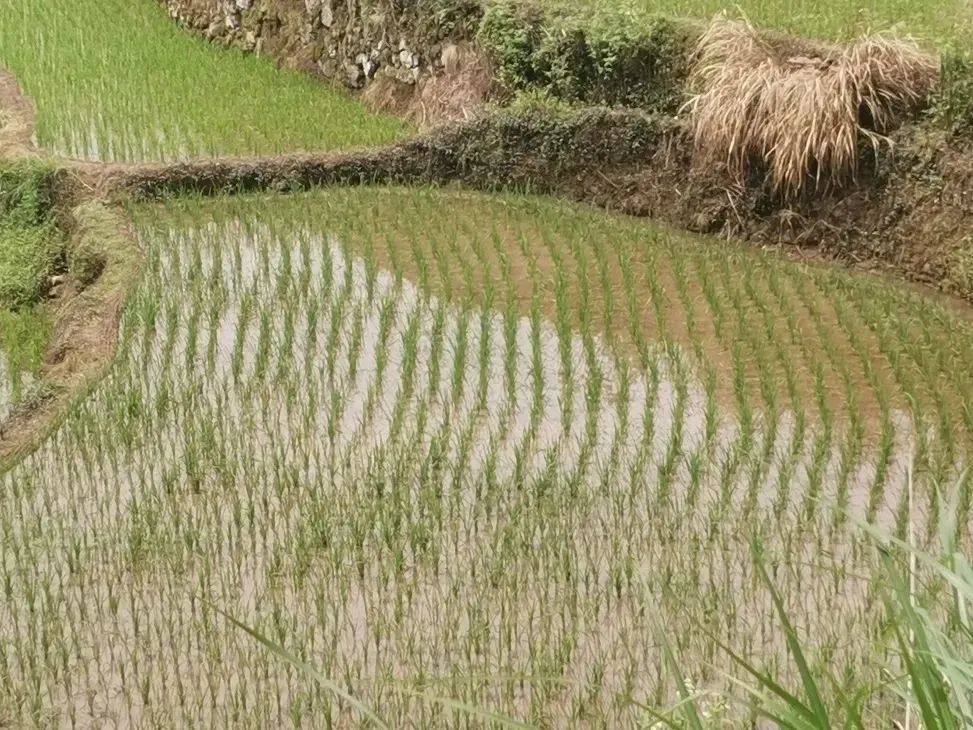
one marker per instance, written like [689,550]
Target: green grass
[933,23]
[29,247]
[447,445]
[118,80]
[24,336]
[26,255]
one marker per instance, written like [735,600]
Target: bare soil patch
[16,119]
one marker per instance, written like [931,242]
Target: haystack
[800,113]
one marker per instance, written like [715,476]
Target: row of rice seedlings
[118,80]
[922,386]
[918,325]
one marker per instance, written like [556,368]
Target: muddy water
[396,485]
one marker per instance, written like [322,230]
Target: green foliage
[28,239]
[959,270]
[26,194]
[510,33]
[26,256]
[24,336]
[954,103]
[602,57]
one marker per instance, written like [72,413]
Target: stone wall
[346,41]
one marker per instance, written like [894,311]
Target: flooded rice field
[409,456]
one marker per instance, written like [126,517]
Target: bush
[954,103]
[26,195]
[28,235]
[610,57]
[26,258]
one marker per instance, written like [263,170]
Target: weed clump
[28,238]
[802,113]
[953,106]
[959,270]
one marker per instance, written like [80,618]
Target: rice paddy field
[117,80]
[933,24]
[484,445]
[497,448]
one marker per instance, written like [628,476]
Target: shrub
[28,237]
[609,57]
[954,102]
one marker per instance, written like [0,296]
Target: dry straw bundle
[801,112]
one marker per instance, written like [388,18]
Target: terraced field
[499,449]
[119,81]
[933,23]
[461,440]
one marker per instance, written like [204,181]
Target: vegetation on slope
[27,232]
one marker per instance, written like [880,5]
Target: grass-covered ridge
[118,80]
[461,440]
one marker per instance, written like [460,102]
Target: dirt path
[17,119]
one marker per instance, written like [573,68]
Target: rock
[353,74]
[327,14]
[367,65]
[215,29]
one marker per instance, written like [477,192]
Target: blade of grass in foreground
[306,669]
[916,651]
[312,673]
[817,710]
